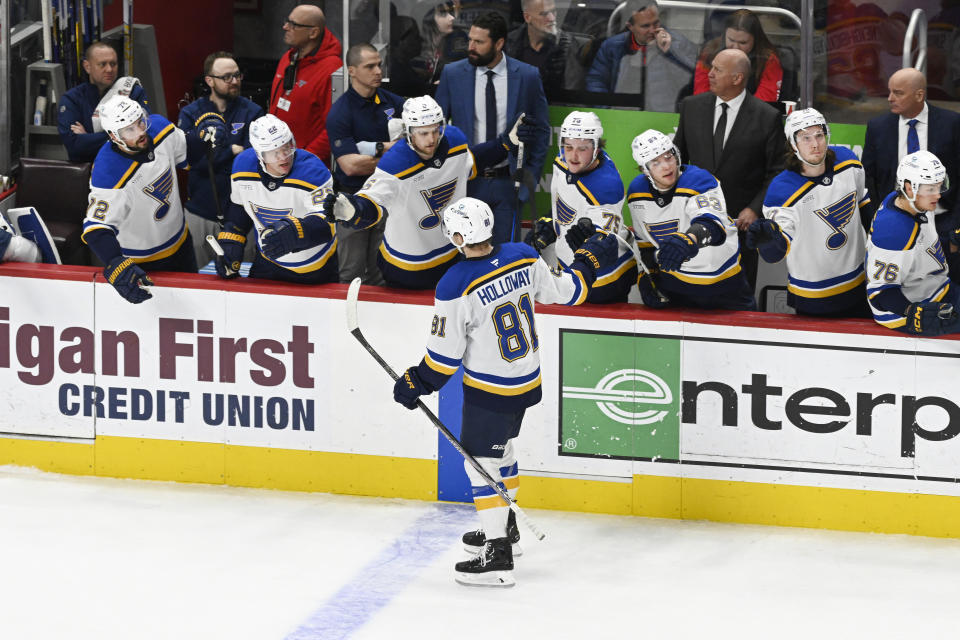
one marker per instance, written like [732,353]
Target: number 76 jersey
[484,320]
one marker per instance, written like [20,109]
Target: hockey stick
[217,249]
[632,246]
[353,325]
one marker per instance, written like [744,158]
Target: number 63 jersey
[484,320]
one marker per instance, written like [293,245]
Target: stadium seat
[58,190]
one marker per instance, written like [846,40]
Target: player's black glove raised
[128,279]
[761,232]
[212,129]
[409,387]
[930,318]
[542,235]
[578,233]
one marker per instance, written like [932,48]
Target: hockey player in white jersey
[484,320]
[279,189]
[585,184]
[135,221]
[680,218]
[908,284]
[812,216]
[414,181]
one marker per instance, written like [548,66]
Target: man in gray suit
[737,138]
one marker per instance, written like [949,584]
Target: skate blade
[501,579]
[517,550]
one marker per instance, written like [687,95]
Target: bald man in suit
[737,138]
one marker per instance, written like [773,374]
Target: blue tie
[913,140]
[492,108]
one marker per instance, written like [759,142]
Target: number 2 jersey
[485,321]
[904,252]
[696,197]
[299,194]
[412,193]
[136,197]
[598,195]
[820,220]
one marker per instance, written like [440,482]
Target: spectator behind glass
[744,31]
[442,43]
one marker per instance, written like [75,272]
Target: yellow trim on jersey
[244,174]
[300,182]
[865,202]
[845,164]
[498,390]
[313,266]
[557,161]
[157,139]
[416,266]
[494,274]
[489,502]
[796,194]
[913,236]
[586,192]
[166,252]
[379,210]
[613,276]
[686,191]
[438,367]
[406,172]
[584,288]
[893,324]
[644,195]
[452,150]
[643,244]
[126,176]
[693,279]
[826,293]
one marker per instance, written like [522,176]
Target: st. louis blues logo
[660,230]
[236,127]
[437,199]
[160,190]
[565,213]
[936,252]
[837,215]
[268,216]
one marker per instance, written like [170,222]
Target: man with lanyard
[78,119]
[208,201]
[300,95]
[362,124]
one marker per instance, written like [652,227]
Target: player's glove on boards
[930,318]
[232,243]
[128,279]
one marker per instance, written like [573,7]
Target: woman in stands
[743,31]
[442,43]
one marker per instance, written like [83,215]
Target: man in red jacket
[301,86]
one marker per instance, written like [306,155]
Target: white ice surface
[105,559]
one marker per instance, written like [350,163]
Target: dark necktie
[913,140]
[491,108]
[718,135]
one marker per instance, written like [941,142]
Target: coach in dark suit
[737,138]
[913,125]
[484,95]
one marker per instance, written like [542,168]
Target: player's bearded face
[663,170]
[425,139]
[812,144]
[135,135]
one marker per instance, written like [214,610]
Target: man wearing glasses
[300,95]
[209,192]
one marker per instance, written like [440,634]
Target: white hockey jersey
[598,195]
[484,319]
[137,197]
[413,193]
[905,253]
[820,220]
[299,194]
[696,195]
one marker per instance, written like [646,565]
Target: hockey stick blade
[353,325]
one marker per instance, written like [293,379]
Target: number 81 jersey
[137,197]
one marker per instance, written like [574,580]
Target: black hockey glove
[286,235]
[339,207]
[212,129]
[649,293]
[599,252]
[524,131]
[542,235]
[578,233]
[128,279]
[409,387]
[232,243]
[761,232]
[676,249]
[930,318]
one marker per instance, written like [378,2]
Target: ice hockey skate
[492,567]
[473,541]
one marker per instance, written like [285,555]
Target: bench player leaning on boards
[135,222]
[280,190]
[700,265]
[908,281]
[484,320]
[812,216]
[414,181]
[585,183]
